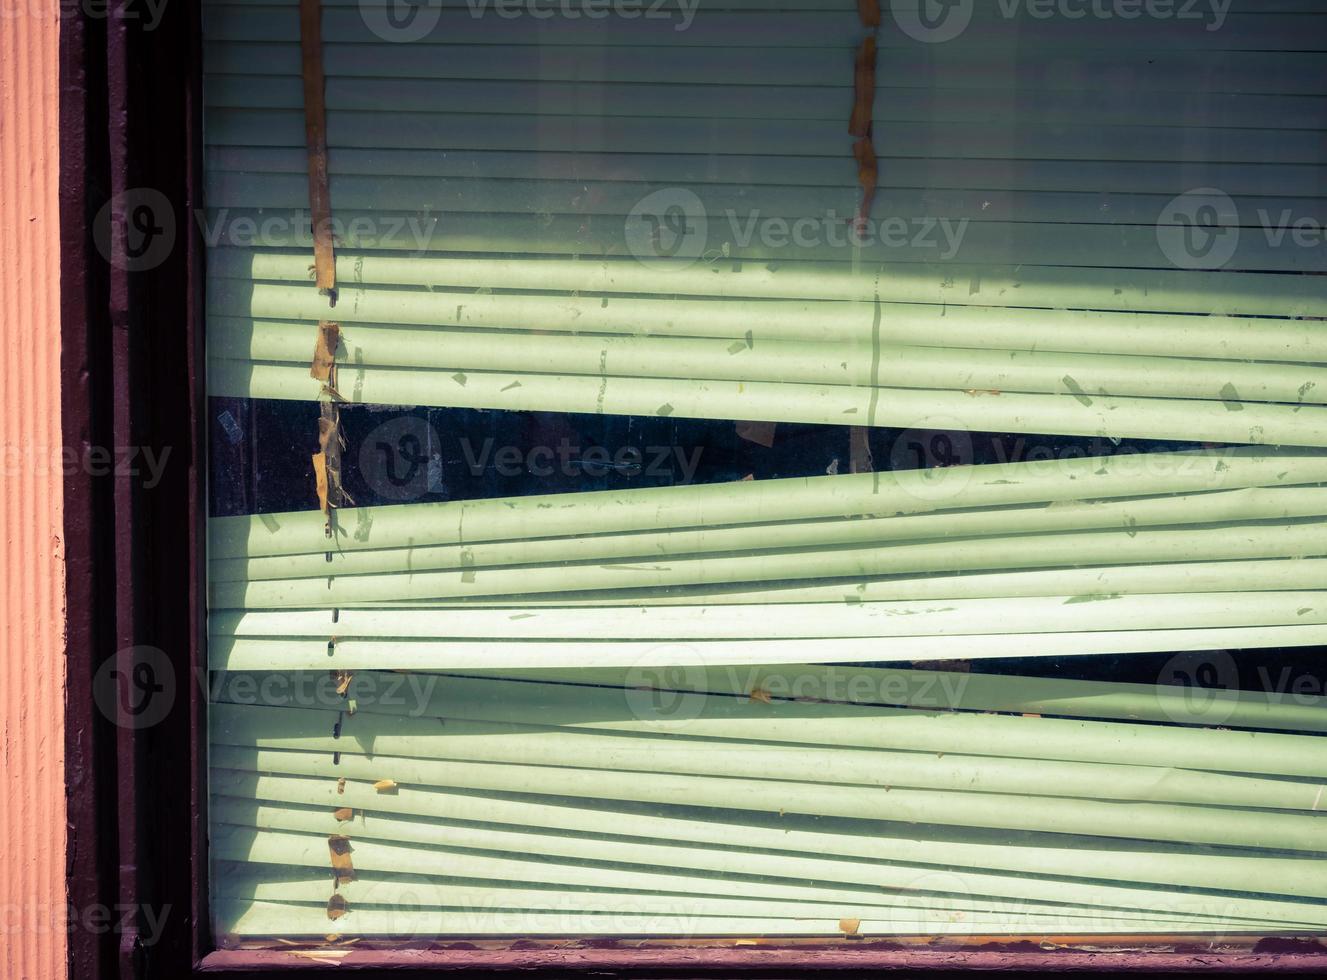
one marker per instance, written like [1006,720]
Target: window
[735,470]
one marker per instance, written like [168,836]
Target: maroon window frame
[130,117]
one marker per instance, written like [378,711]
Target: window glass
[717,469]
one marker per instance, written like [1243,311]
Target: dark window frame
[130,117]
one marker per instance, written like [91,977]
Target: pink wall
[32,812]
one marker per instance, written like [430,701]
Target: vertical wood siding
[32,822]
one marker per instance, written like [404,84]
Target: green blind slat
[809,174]
[1248,504]
[783,102]
[782,721]
[1066,697]
[308,730]
[890,852]
[769,501]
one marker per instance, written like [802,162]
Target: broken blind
[614,713]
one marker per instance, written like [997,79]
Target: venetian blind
[615,713]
